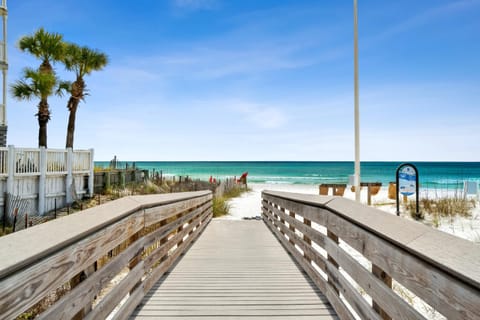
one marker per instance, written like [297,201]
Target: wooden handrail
[83,252]
[442,270]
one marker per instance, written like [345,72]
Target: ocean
[432,175]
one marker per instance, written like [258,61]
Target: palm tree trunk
[42,133]
[72,106]
[78,87]
[43,116]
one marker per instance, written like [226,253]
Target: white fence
[44,177]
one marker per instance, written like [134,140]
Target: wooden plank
[71,303]
[137,295]
[332,297]
[380,274]
[156,214]
[334,238]
[155,200]
[113,298]
[459,257]
[167,228]
[133,301]
[60,233]
[301,198]
[69,246]
[57,234]
[156,273]
[307,240]
[228,273]
[312,213]
[162,250]
[291,227]
[18,294]
[417,252]
[238,313]
[246,317]
[336,281]
[446,294]
[320,307]
[387,299]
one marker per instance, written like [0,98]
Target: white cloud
[263,117]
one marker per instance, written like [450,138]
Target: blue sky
[262,80]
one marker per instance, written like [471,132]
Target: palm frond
[34,84]
[44,45]
[21,90]
[83,60]
[63,87]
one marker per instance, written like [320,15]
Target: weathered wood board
[236,269]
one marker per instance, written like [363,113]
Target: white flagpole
[357,111]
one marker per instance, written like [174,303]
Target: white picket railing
[57,161]
[47,177]
[82,160]
[27,161]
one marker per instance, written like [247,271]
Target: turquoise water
[432,175]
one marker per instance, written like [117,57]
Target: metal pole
[357,112]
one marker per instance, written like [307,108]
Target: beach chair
[470,188]
[337,189]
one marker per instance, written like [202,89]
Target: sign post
[407,183]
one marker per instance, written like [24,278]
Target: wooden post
[106,175]
[307,239]
[282,220]
[380,274]
[179,230]
[138,257]
[334,237]
[122,178]
[15,212]
[292,228]
[275,216]
[369,195]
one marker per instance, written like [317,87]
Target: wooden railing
[328,236]
[68,264]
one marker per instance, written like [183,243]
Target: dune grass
[442,207]
[221,207]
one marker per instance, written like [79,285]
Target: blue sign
[407,184]
[407,179]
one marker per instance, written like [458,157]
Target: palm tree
[41,85]
[82,61]
[46,46]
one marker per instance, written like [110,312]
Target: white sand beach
[249,205]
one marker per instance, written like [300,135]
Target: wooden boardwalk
[236,269]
